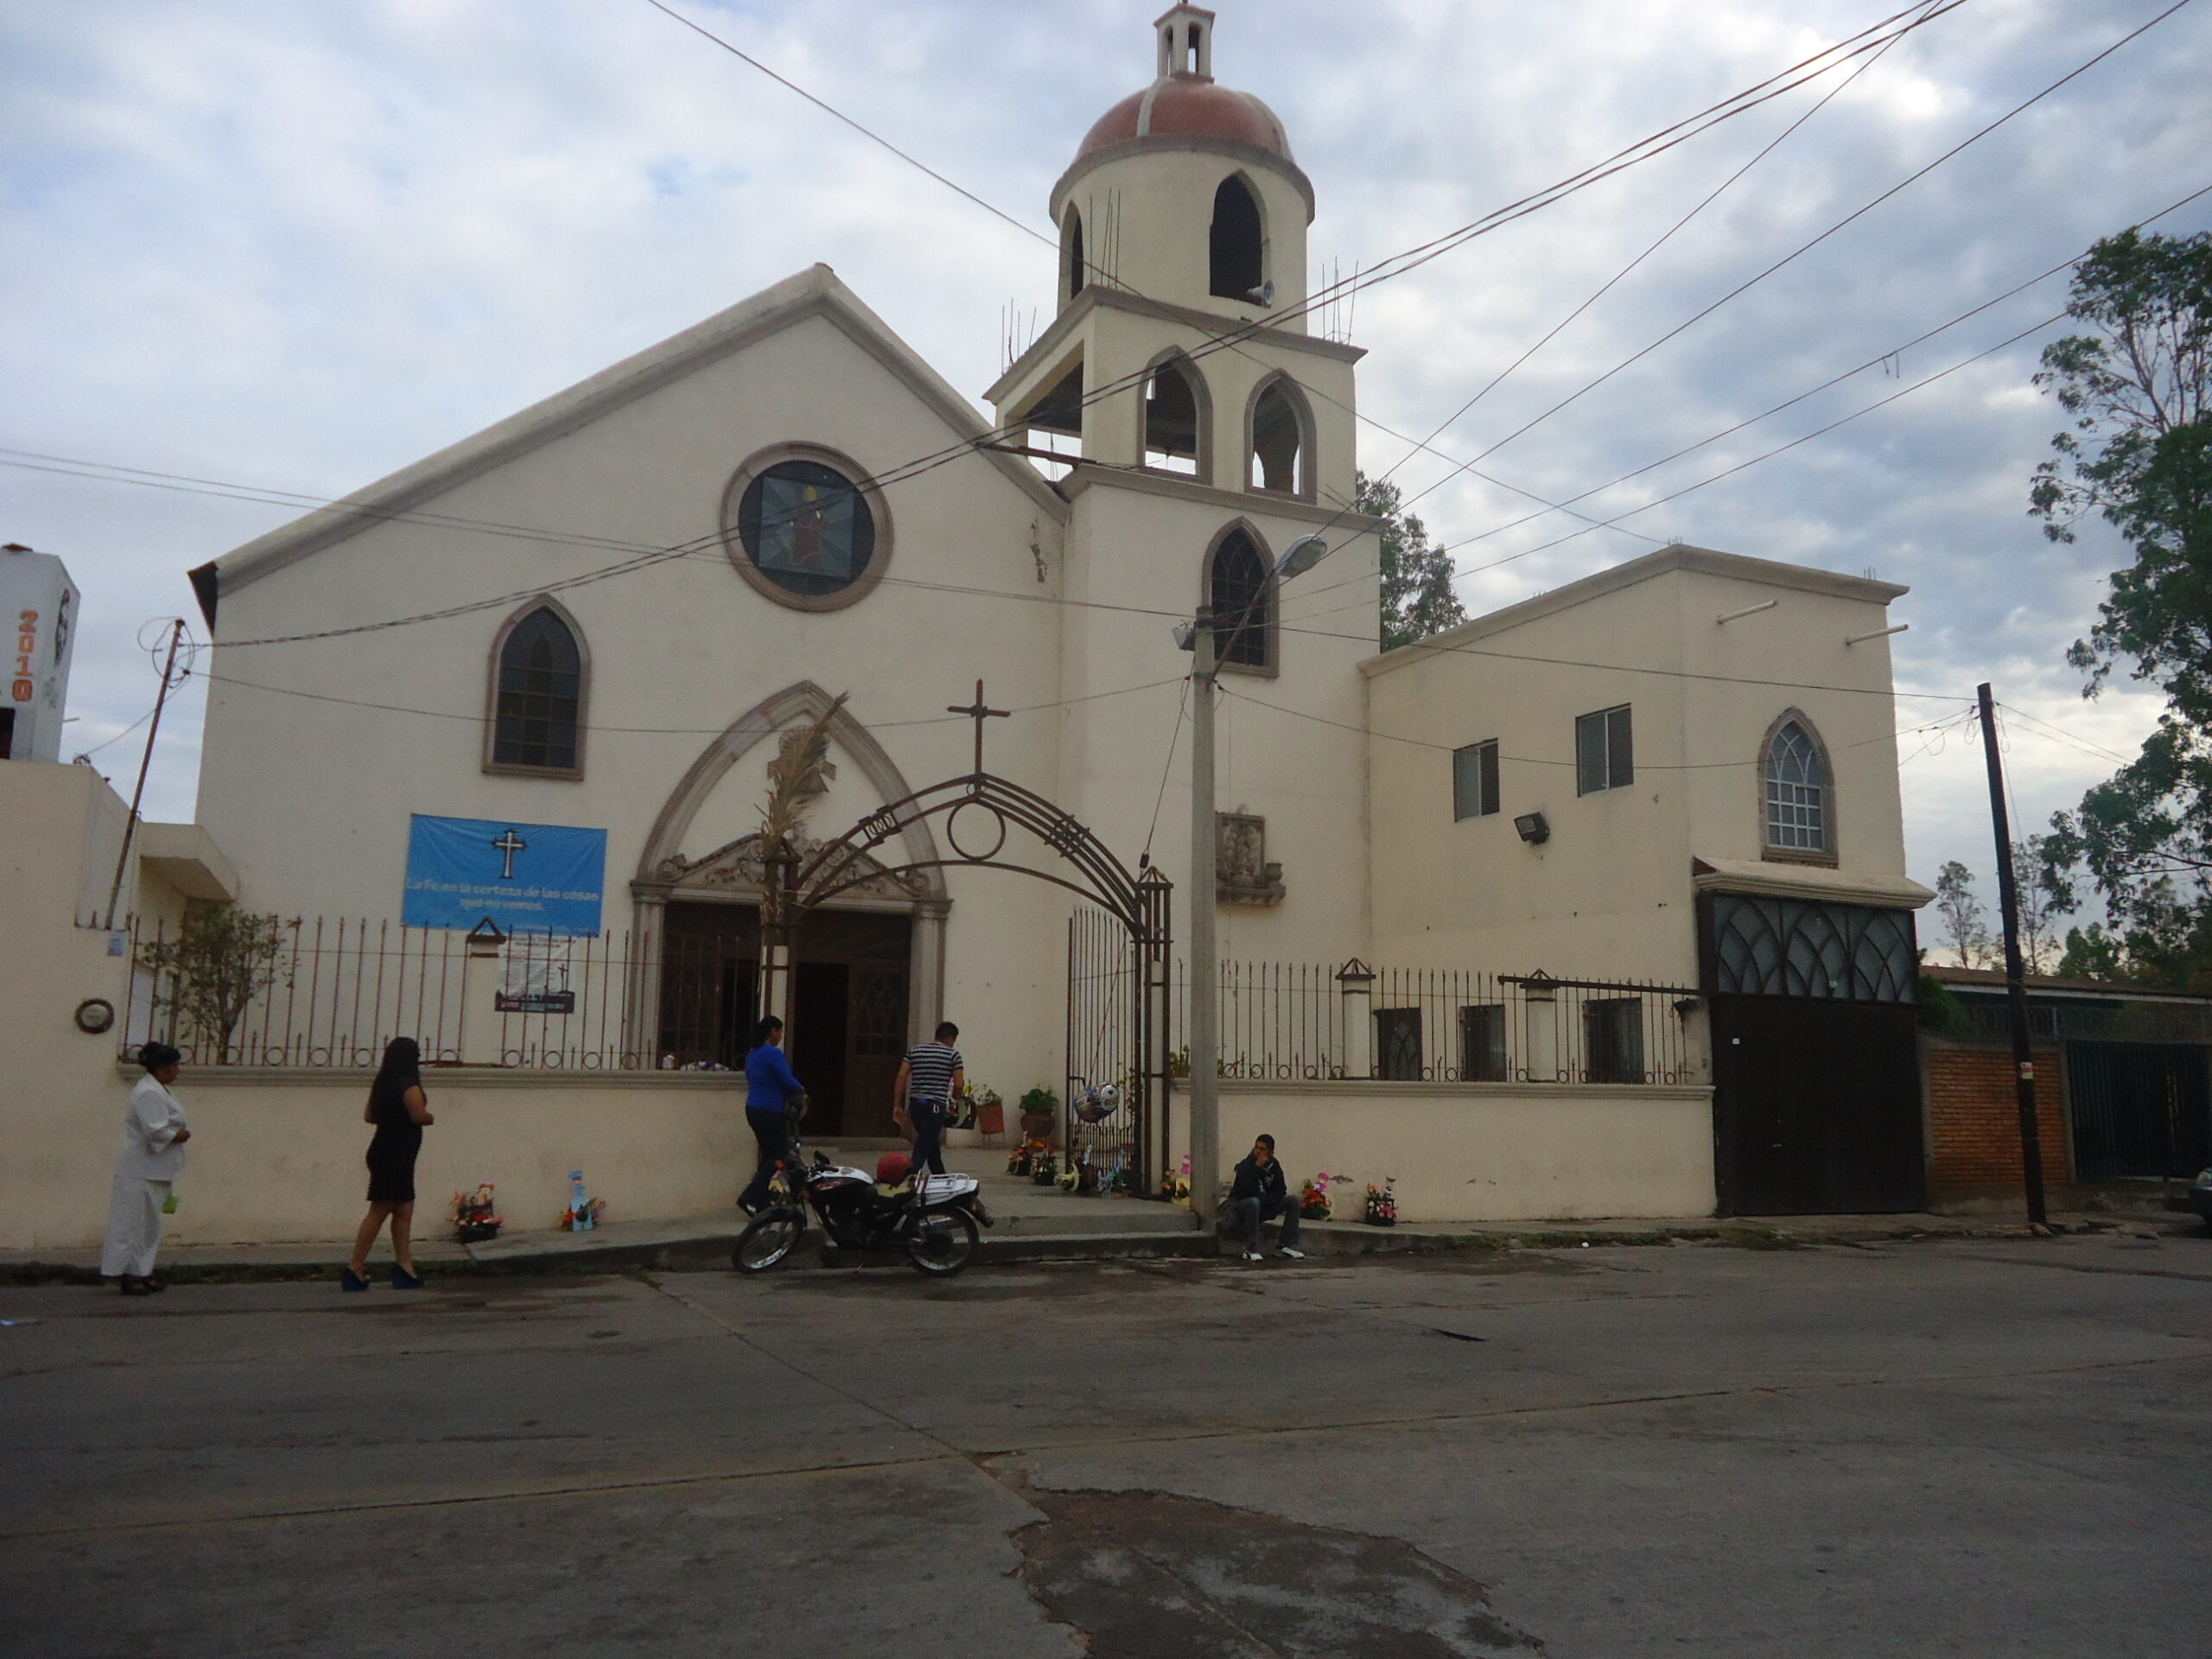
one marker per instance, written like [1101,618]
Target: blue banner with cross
[524,878]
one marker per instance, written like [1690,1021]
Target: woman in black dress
[399,1110]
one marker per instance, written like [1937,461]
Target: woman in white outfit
[152,1157]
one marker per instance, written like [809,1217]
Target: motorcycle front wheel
[772,1237]
[940,1242]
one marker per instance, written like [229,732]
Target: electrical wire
[1665,236]
[669,731]
[1399,264]
[1973,138]
[1167,770]
[1529,760]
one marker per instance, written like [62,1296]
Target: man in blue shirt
[773,1097]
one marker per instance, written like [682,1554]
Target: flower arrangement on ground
[1382,1203]
[1313,1202]
[1022,1161]
[472,1215]
[568,1222]
[1178,1185]
[1044,1169]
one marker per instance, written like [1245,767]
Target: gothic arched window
[1236,244]
[1241,587]
[1280,452]
[1071,246]
[538,695]
[1174,418]
[1796,791]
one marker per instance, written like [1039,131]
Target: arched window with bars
[1240,586]
[537,694]
[1796,793]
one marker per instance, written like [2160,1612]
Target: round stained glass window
[806,529]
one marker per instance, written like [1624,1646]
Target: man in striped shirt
[930,1075]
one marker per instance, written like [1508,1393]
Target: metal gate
[1815,1056]
[2138,1109]
[1116,1040]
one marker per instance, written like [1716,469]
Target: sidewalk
[1043,1223]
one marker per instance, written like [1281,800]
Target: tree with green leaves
[2136,379]
[208,975]
[1417,596]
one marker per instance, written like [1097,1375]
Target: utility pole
[2015,994]
[130,827]
[1205,970]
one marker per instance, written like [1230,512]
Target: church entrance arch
[870,973]
[986,822]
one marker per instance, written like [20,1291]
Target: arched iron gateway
[993,823]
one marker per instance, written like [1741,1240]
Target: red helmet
[892,1167]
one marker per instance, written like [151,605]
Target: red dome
[1189,106]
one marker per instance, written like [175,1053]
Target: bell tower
[1183,219]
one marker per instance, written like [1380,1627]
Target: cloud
[302,246]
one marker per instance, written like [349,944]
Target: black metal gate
[1816,1056]
[2138,1109]
[1117,1040]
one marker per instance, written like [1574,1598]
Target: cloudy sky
[296,246]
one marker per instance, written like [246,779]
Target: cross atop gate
[979,712]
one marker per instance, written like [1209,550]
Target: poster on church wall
[527,877]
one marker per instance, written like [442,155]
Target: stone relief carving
[1241,871]
[736,867]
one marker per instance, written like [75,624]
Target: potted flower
[1040,1114]
[965,1124]
[1044,1169]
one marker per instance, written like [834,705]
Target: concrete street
[1929,1448]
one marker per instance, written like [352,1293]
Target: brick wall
[1974,1116]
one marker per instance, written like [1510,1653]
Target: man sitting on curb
[1260,1193]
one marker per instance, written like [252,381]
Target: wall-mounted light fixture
[1532,829]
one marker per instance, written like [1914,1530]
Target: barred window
[1796,791]
[539,707]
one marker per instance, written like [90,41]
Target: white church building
[1669,789]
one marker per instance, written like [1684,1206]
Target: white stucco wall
[1486,1152]
[1611,894]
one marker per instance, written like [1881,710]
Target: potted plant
[1313,1197]
[1040,1114]
[963,1126]
[1044,1169]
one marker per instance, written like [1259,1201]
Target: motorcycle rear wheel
[940,1242]
[772,1236]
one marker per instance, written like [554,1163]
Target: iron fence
[332,994]
[1303,1021]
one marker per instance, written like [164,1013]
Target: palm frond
[795,777]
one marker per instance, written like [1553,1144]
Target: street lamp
[1197,638]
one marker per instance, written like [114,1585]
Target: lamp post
[1299,557]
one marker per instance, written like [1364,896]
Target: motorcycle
[933,1218]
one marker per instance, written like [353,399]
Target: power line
[1665,236]
[667,731]
[1840,223]
[1397,265]
[1529,760]
[1411,259]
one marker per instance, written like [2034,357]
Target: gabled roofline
[814,292]
[1706,560]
